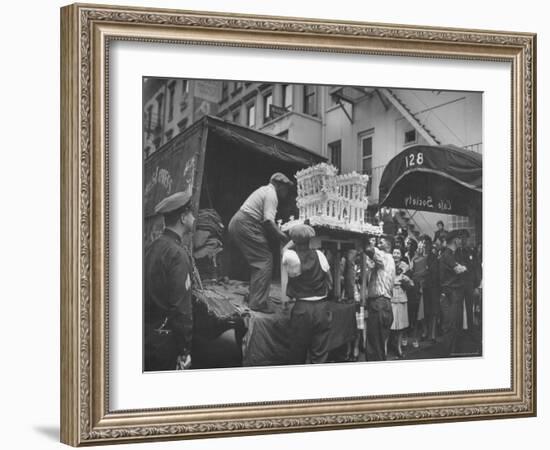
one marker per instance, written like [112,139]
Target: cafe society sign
[443,179]
[428,203]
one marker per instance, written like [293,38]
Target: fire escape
[349,96]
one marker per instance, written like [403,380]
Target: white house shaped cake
[331,200]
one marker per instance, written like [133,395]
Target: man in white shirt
[380,292]
[254,231]
[309,281]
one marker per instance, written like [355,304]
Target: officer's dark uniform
[452,296]
[467,258]
[168,313]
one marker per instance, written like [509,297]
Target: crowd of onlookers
[436,290]
[418,291]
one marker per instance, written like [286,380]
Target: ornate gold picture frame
[87,31]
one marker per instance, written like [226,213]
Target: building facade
[356,128]
[171,105]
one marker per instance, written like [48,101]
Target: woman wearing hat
[253,229]
[309,281]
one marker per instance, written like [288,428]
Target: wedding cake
[331,200]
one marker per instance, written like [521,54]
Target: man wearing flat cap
[168,315]
[309,281]
[452,291]
[254,231]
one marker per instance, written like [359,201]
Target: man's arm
[376,255]
[325,266]
[291,262]
[449,260]
[274,235]
[459,268]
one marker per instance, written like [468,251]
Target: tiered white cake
[331,200]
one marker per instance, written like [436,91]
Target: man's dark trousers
[380,318]
[309,331]
[451,317]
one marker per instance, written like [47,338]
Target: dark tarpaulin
[440,178]
[180,163]
[267,341]
[172,168]
[269,145]
[267,338]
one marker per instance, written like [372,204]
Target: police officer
[168,315]
[452,291]
[466,256]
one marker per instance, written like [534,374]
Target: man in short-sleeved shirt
[262,203]
[255,233]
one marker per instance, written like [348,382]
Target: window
[366,158]
[287,97]
[237,86]
[171,90]
[251,115]
[169,134]
[410,137]
[333,96]
[310,101]
[236,117]
[224,90]
[184,87]
[268,101]
[160,104]
[335,154]
[149,119]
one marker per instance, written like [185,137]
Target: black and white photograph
[275,225]
[290,224]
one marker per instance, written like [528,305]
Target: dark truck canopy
[439,178]
[225,156]
[223,163]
